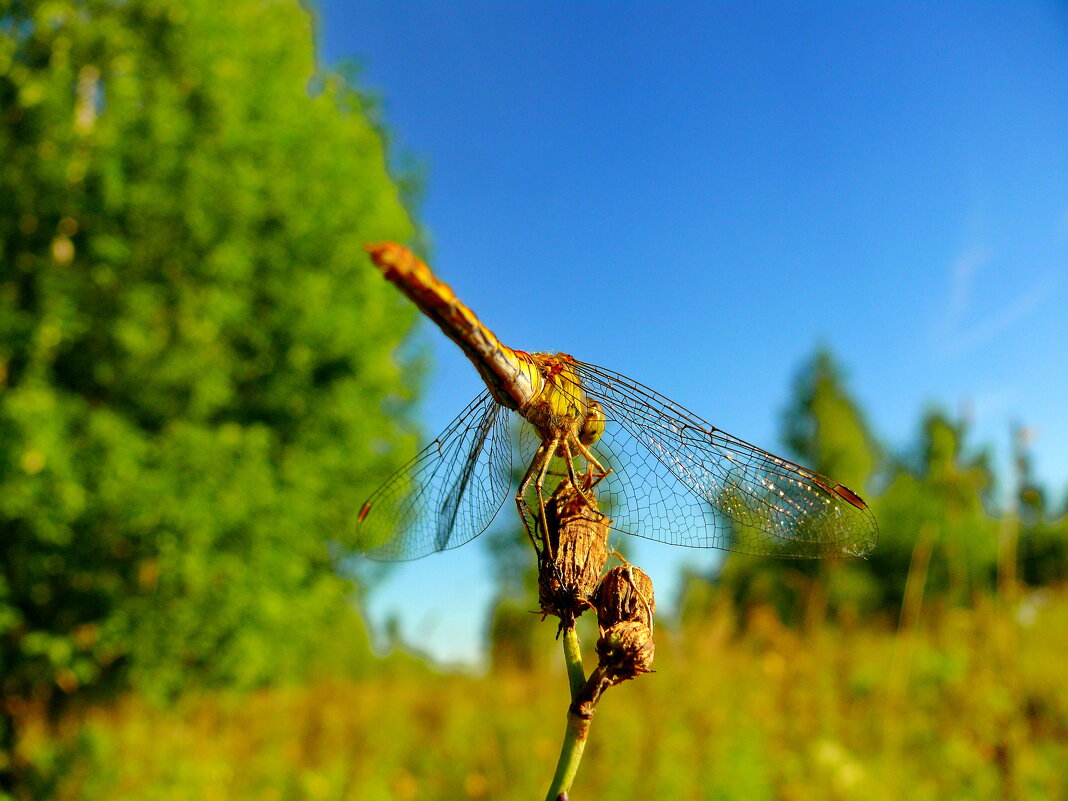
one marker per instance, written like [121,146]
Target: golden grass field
[963,704]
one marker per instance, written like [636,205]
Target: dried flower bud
[626,650]
[576,549]
[626,593]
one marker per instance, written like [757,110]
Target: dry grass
[967,704]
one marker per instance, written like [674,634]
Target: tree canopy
[198,379]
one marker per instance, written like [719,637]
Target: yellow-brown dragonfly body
[665,473]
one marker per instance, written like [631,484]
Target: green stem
[584,695]
[570,756]
[573,659]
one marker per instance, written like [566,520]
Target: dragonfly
[658,470]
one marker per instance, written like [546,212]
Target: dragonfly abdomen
[511,375]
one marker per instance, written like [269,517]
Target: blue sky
[697,194]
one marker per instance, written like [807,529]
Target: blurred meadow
[201,380]
[958,704]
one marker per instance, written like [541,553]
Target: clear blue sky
[697,194]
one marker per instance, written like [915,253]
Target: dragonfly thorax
[561,410]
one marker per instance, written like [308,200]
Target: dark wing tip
[846,494]
[833,488]
[364,511]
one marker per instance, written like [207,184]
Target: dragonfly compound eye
[593,425]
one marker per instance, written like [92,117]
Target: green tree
[197,373]
[824,427]
[938,497]
[1042,545]
[1043,533]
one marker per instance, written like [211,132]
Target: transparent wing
[679,480]
[448,494]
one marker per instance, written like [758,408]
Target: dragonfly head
[593,426]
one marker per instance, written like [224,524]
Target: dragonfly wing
[677,479]
[448,494]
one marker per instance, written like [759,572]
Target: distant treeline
[949,529]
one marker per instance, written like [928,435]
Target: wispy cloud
[958,338]
[965,268]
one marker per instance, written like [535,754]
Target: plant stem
[570,756]
[573,661]
[584,696]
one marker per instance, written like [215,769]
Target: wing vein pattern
[677,479]
[448,493]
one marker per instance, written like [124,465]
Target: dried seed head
[626,593]
[576,549]
[626,650]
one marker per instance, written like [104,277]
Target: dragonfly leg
[569,460]
[593,476]
[538,485]
[592,465]
[520,498]
[539,466]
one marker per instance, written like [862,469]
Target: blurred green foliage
[940,497]
[198,383]
[968,704]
